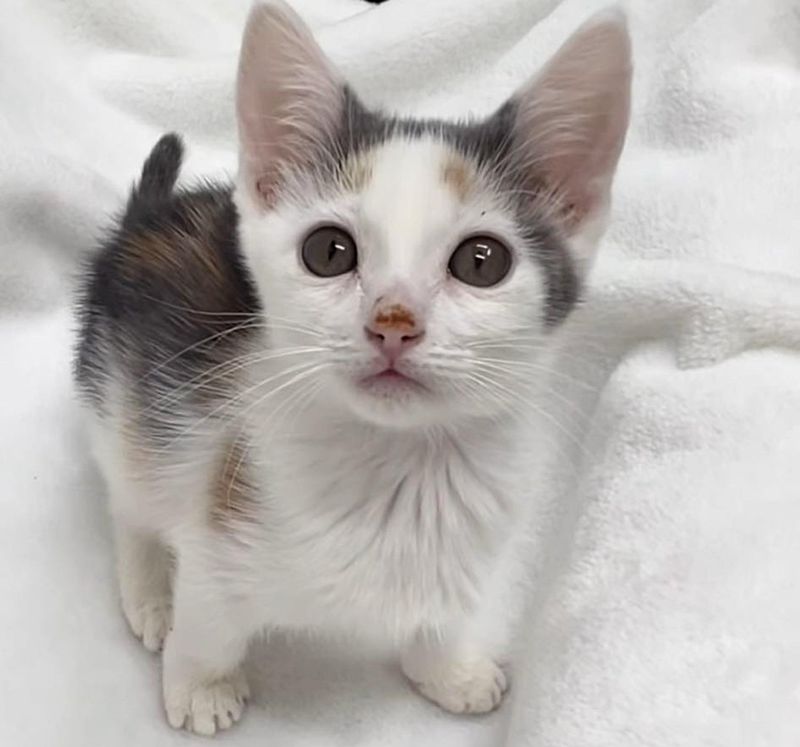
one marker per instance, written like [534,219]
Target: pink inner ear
[573,117]
[288,99]
[267,190]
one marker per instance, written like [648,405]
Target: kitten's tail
[160,170]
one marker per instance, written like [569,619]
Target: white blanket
[666,609]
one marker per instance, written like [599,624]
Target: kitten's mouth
[390,381]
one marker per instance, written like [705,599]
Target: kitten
[313,395]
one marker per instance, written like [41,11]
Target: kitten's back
[167,291]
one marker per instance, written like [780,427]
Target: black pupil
[333,248]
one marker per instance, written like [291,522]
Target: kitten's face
[414,272]
[409,205]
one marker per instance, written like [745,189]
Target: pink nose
[393,329]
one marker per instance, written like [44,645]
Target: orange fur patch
[166,250]
[356,172]
[395,316]
[232,492]
[458,175]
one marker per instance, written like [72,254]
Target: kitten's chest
[390,527]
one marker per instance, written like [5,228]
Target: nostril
[416,337]
[391,340]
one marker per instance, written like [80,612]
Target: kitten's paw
[150,620]
[206,708]
[472,686]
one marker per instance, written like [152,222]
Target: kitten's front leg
[454,673]
[143,569]
[203,683]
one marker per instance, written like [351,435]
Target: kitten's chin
[394,402]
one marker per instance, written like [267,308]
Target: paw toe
[150,621]
[204,709]
[472,687]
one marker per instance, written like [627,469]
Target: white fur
[390,516]
[386,521]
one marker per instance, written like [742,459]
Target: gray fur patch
[168,296]
[490,144]
[166,299]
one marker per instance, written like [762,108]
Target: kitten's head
[418,269]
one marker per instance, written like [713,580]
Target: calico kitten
[313,395]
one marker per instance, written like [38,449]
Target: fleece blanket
[665,608]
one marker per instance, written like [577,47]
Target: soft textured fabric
[666,604]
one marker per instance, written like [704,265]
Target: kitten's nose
[393,329]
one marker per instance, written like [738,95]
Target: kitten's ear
[289,99]
[571,122]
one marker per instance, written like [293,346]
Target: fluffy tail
[160,170]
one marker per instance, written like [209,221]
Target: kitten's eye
[480,261]
[329,251]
